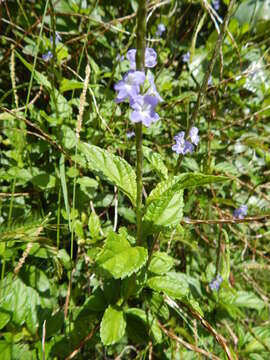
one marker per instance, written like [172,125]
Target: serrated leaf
[173,284]
[22,302]
[118,259]
[113,326]
[111,168]
[161,263]
[183,181]
[164,211]
[176,286]
[156,162]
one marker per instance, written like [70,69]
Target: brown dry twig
[217,336]
[188,345]
[260,218]
[81,344]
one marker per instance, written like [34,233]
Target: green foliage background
[74,283]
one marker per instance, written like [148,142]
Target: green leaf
[6,350]
[161,263]
[113,326]
[158,306]
[148,321]
[64,185]
[96,302]
[253,344]
[118,259]
[164,211]
[248,300]
[44,181]
[67,85]
[9,350]
[36,278]
[4,318]
[69,138]
[94,225]
[110,167]
[253,11]
[183,181]
[173,284]
[156,161]
[22,302]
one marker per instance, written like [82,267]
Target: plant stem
[140,33]
[139,157]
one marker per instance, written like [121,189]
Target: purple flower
[160,29]
[186,57]
[216,4]
[130,85]
[152,89]
[215,283]
[144,109]
[150,59]
[130,134]
[210,81]
[131,56]
[58,39]
[240,212]
[194,137]
[182,146]
[47,56]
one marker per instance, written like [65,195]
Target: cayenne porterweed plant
[134,211]
[143,271]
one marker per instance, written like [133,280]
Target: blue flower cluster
[186,57]
[215,283]
[183,146]
[160,29]
[48,55]
[143,105]
[240,212]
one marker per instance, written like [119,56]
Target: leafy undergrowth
[76,281]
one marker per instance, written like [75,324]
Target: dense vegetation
[134,200]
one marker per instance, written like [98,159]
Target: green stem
[58,217]
[140,34]
[139,157]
